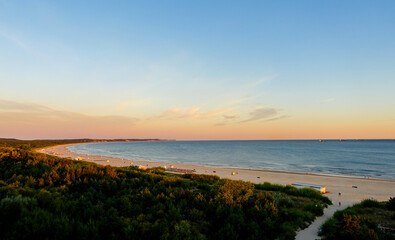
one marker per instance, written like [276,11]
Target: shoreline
[235,167]
[379,189]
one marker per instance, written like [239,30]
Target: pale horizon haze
[197,70]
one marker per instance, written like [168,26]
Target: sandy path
[311,232]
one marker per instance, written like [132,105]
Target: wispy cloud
[239,100]
[276,118]
[260,81]
[12,38]
[220,124]
[263,114]
[230,116]
[36,114]
[12,106]
[177,113]
[329,100]
[123,105]
[134,103]
[227,119]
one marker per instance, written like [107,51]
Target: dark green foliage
[27,145]
[370,203]
[391,204]
[361,221]
[202,178]
[288,231]
[291,190]
[315,208]
[45,197]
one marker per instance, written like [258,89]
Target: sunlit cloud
[177,113]
[12,106]
[30,117]
[123,105]
[230,116]
[227,119]
[32,109]
[194,110]
[329,100]
[276,118]
[263,113]
[130,104]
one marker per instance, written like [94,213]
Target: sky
[197,70]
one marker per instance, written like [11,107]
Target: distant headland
[94,140]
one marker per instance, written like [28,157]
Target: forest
[47,197]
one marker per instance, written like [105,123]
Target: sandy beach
[378,189]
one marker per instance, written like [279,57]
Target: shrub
[329,228]
[315,208]
[283,200]
[292,215]
[234,192]
[370,203]
[390,205]
[291,190]
[287,231]
[203,178]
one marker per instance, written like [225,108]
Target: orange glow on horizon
[197,130]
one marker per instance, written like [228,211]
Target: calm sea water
[373,158]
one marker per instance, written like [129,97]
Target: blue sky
[304,60]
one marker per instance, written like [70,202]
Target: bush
[357,222]
[291,190]
[349,227]
[329,228]
[283,200]
[203,178]
[371,203]
[234,192]
[339,214]
[315,208]
[287,231]
[269,187]
[390,205]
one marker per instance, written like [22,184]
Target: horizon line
[170,139]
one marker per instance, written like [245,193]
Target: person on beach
[340,203]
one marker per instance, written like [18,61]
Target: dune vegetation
[47,197]
[369,219]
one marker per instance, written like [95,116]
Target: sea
[352,158]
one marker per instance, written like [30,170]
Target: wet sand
[378,189]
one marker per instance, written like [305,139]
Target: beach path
[311,232]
